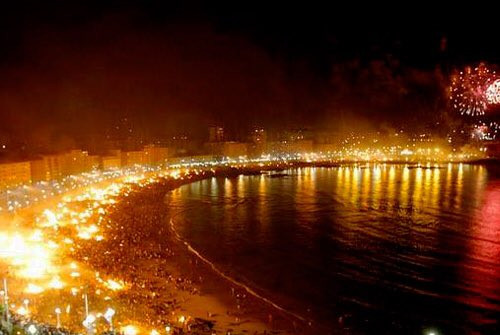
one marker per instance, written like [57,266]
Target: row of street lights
[89,322]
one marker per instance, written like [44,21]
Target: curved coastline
[208,295]
[161,189]
[281,320]
[247,287]
[139,252]
[196,236]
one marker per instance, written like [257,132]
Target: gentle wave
[232,280]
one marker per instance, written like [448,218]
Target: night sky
[72,70]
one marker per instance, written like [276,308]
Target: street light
[22,311]
[88,323]
[129,330]
[58,316]
[32,329]
[108,315]
[86,300]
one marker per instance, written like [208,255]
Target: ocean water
[376,249]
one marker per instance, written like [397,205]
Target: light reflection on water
[392,247]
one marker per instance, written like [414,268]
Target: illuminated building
[155,155]
[277,147]
[183,145]
[301,146]
[48,167]
[258,138]
[74,162]
[227,149]
[39,171]
[56,166]
[115,152]
[129,158]
[111,162]
[14,174]
[92,162]
[215,134]
[234,149]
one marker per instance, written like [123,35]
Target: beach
[157,283]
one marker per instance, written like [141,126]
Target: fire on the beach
[36,253]
[74,255]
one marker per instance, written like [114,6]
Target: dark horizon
[73,71]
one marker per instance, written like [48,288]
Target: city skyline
[172,70]
[213,168]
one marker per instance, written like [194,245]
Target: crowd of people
[137,250]
[140,250]
[17,324]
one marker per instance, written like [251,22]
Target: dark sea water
[380,249]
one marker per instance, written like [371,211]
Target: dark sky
[77,68]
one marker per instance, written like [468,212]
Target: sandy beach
[161,282]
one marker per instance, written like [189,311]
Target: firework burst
[493,93]
[485,131]
[468,90]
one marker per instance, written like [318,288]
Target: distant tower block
[216,134]
[259,136]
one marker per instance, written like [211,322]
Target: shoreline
[96,259]
[230,279]
[230,312]
[241,301]
[246,310]
[271,314]
[174,291]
